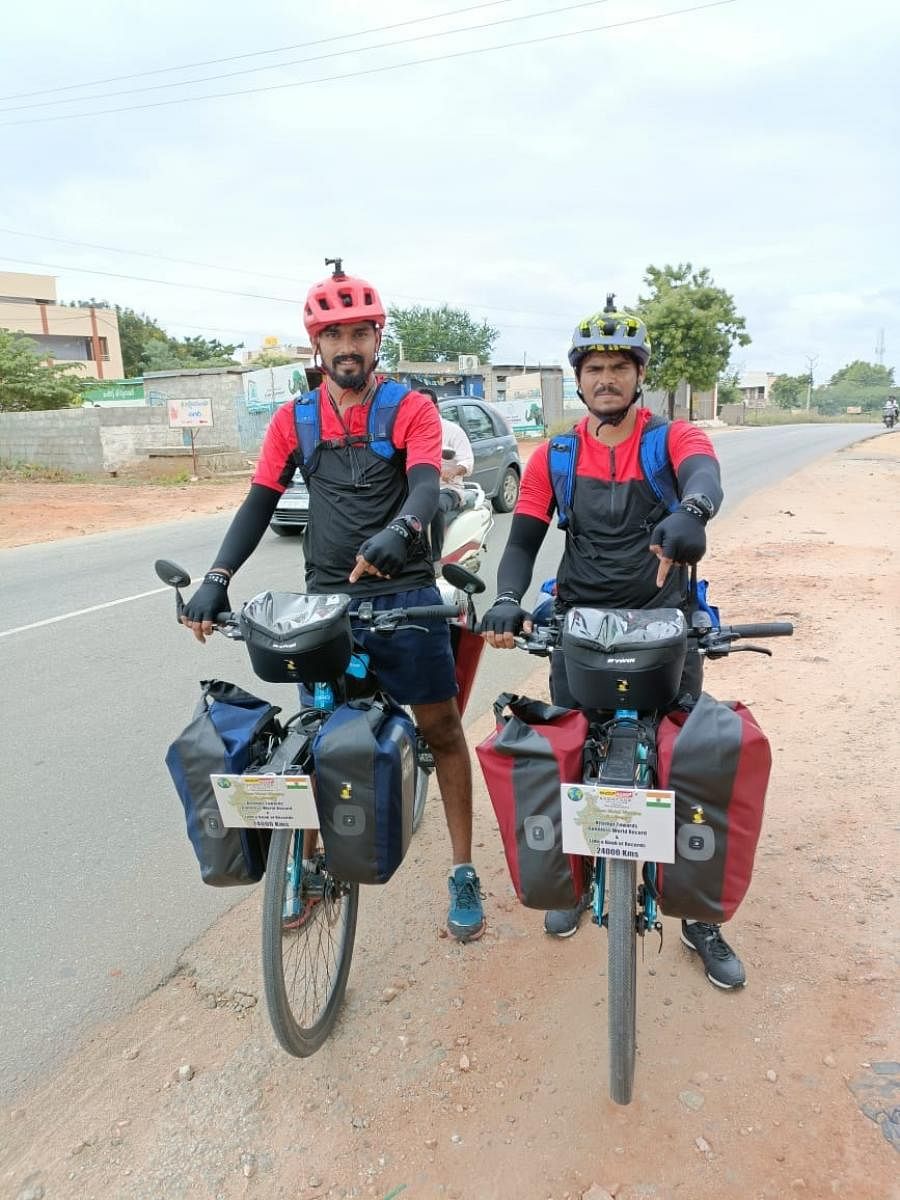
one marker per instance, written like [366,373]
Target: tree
[435,335]
[728,390]
[790,391]
[147,347]
[27,384]
[693,326]
[863,374]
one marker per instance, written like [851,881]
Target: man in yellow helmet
[623,548]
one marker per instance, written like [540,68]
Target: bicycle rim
[622,980]
[305,969]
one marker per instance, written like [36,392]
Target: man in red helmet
[370,451]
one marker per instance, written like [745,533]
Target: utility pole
[879,348]
[811,360]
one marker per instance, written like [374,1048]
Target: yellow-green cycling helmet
[610,330]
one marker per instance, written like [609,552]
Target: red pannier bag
[535,748]
[717,761]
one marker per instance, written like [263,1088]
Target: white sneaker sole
[724,987]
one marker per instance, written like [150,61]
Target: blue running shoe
[465,920]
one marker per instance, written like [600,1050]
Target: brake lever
[754,649]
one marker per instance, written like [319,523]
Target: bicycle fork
[626,763]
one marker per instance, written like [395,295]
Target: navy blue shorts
[414,667]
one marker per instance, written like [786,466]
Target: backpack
[717,761]
[655,464]
[380,426]
[365,771]
[533,750]
[230,731]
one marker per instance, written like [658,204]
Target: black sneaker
[563,922]
[723,967]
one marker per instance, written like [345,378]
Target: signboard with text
[189,414]
[523,404]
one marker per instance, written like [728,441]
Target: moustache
[350,360]
[606,391]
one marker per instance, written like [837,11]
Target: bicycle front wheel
[308,929]
[622,977]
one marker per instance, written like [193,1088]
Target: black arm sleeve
[699,475]
[526,536]
[250,522]
[424,484]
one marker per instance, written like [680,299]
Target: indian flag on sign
[660,799]
[296,784]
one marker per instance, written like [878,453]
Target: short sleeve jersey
[607,559]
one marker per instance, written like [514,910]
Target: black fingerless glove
[389,550]
[505,615]
[680,536]
[210,598]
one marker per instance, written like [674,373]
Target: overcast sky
[758,138]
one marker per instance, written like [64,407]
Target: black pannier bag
[230,733]
[365,773]
[623,658]
[295,638]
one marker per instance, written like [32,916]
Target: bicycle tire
[305,970]
[622,977]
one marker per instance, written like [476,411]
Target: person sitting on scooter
[457,462]
[891,411]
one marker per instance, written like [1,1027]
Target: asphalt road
[99,888]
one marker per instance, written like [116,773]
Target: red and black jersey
[607,560]
[353,492]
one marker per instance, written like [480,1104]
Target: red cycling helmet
[340,300]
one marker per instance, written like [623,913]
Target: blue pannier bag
[365,770]
[231,732]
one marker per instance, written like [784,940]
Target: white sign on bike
[265,801]
[612,822]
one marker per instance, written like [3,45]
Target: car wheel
[505,500]
[287,530]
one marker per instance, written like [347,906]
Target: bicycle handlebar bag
[621,658]
[717,760]
[535,748]
[365,773]
[229,733]
[295,638]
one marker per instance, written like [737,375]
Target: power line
[214,62]
[420,37]
[418,62]
[236,270]
[199,287]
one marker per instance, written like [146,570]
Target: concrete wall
[67,438]
[222,385]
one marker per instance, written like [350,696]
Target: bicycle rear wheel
[622,980]
[305,967]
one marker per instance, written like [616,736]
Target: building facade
[86,337]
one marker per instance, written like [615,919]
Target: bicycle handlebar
[762,629]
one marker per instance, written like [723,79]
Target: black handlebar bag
[365,779]
[717,761]
[231,730]
[535,748]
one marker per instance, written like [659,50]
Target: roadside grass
[23,472]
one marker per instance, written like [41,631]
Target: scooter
[465,539]
[889,418]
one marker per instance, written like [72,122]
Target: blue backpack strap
[307,426]
[562,458]
[656,464]
[382,416]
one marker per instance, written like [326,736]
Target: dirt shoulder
[480,1073]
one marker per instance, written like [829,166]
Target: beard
[350,372]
